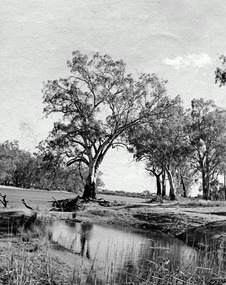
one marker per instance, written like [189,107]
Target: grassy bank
[32,258]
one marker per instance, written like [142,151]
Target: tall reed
[29,260]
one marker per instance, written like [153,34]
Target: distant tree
[97,104]
[162,143]
[52,173]
[24,173]
[9,152]
[20,168]
[146,193]
[206,129]
[16,165]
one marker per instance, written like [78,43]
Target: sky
[180,41]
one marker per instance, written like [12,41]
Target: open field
[112,198]
[38,199]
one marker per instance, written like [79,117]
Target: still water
[118,248]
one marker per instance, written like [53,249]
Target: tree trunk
[158,181]
[163,183]
[205,186]
[224,186]
[90,186]
[171,184]
[184,187]
[158,184]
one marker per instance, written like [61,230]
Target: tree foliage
[97,104]
[22,169]
[162,143]
[206,129]
[9,152]
[187,145]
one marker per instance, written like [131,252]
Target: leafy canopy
[98,102]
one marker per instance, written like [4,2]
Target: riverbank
[194,225]
[195,222]
[30,254]
[32,258]
[179,218]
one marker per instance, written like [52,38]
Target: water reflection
[85,235]
[114,248]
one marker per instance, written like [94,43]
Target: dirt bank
[189,224]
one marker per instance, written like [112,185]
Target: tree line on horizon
[23,169]
[101,107]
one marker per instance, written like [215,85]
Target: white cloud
[189,60]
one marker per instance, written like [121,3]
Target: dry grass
[201,203]
[33,259]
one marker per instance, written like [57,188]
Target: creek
[115,248]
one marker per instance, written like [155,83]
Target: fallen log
[75,204]
[66,205]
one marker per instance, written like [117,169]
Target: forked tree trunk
[90,186]
[158,181]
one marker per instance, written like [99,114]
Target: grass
[38,199]
[22,268]
[32,259]
[34,198]
[201,203]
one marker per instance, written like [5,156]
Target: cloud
[188,60]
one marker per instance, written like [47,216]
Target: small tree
[98,103]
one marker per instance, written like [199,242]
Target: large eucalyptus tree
[97,103]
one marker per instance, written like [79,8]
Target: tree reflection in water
[85,230]
[125,251]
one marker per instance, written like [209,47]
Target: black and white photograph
[112,142]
